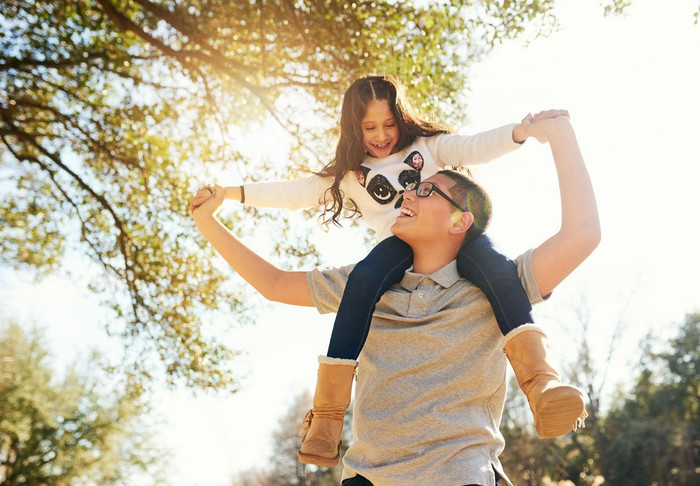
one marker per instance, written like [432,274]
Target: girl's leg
[323,424]
[556,408]
[383,267]
[498,279]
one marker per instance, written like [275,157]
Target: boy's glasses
[426,189]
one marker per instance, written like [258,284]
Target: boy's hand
[203,194]
[524,129]
[545,124]
[207,200]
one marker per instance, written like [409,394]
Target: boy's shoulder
[326,286]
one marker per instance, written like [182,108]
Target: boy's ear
[462,223]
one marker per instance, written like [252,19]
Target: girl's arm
[234,193]
[462,150]
[293,194]
[297,194]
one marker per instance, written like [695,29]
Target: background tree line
[85,426]
[79,425]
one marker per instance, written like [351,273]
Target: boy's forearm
[254,269]
[578,204]
[579,234]
[271,282]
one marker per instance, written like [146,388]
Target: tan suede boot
[556,408]
[323,424]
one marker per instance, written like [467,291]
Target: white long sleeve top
[377,187]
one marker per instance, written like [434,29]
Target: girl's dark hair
[351,151]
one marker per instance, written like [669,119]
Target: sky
[630,84]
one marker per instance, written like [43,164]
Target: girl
[384,147]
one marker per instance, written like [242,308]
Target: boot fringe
[519,330]
[336,361]
[332,413]
[581,421]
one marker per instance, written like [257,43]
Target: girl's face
[380,132]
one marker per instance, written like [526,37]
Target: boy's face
[380,132]
[426,219]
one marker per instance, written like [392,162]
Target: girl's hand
[540,124]
[202,195]
[234,192]
[523,130]
[207,200]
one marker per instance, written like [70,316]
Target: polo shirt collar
[447,276]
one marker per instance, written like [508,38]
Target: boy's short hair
[467,192]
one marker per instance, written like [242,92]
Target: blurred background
[131,354]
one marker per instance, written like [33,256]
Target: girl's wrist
[234,192]
[518,134]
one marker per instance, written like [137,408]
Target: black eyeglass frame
[433,188]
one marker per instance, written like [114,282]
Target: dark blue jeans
[477,261]
[356,481]
[362,481]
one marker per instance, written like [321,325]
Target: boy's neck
[427,261]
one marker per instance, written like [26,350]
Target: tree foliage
[653,435]
[113,111]
[534,461]
[284,467]
[649,436]
[84,428]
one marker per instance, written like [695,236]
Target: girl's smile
[380,132]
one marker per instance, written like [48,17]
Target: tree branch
[123,236]
[7,63]
[57,185]
[215,58]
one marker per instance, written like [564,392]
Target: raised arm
[479,148]
[483,147]
[273,283]
[579,234]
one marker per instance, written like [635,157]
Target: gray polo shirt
[431,381]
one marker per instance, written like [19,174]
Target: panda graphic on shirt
[379,187]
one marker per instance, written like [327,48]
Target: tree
[112,112]
[285,468]
[653,435]
[86,428]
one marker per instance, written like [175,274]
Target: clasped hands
[530,126]
[208,199]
